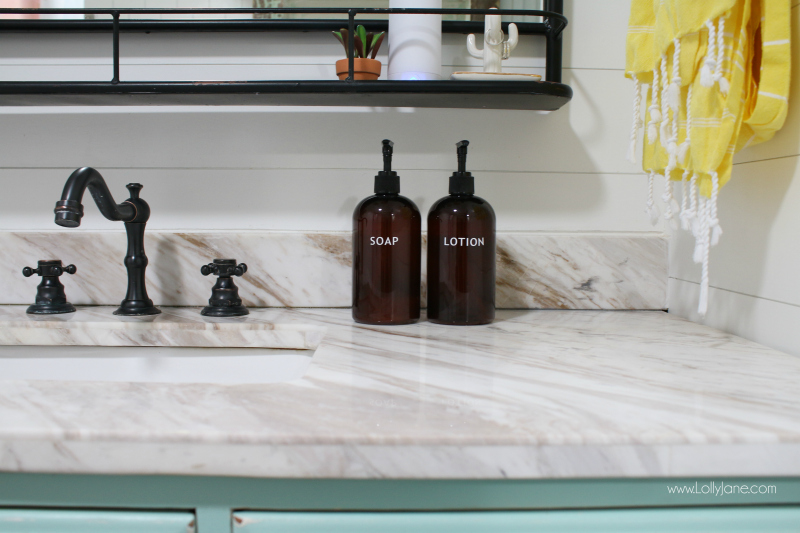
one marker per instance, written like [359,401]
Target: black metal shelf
[529,95]
[234,25]
[546,95]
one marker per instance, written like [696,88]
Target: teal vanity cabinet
[79,503]
[94,521]
[735,520]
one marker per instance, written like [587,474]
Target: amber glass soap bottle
[461,253]
[386,252]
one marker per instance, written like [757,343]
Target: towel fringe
[672,152]
[684,216]
[724,85]
[667,197]
[684,148]
[655,113]
[702,225]
[674,94]
[663,132]
[672,145]
[713,221]
[700,229]
[692,214]
[710,63]
[669,200]
[637,118]
[652,209]
[712,71]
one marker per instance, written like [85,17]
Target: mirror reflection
[239,4]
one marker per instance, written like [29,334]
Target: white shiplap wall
[755,287]
[306,168]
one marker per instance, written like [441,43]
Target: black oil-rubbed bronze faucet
[134,212]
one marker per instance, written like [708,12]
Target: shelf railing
[551,27]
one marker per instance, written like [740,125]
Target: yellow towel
[710,78]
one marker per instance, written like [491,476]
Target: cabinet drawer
[684,520]
[66,521]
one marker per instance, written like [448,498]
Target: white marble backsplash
[312,269]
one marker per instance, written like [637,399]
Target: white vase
[415,42]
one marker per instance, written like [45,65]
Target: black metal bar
[248,11]
[554,43]
[296,86]
[351,44]
[429,93]
[255,25]
[115,79]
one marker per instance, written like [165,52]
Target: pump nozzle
[461,151]
[387,155]
[462,182]
[387,181]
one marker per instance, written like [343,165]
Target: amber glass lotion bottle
[386,252]
[461,253]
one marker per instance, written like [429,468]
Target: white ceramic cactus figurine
[495,49]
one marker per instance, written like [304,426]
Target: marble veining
[300,269]
[98,326]
[536,394]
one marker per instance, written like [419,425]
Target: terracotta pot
[363,69]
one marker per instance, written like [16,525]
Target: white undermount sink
[224,366]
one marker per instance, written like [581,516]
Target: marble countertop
[537,394]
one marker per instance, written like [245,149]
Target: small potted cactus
[367,44]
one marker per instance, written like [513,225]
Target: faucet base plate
[50,308]
[233,310]
[137,308]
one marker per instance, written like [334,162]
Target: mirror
[237,4]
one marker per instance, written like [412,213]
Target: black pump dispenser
[462,182]
[386,252]
[461,253]
[387,181]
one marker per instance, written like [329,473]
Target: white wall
[306,168]
[754,270]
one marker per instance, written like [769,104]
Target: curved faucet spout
[134,212]
[69,210]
